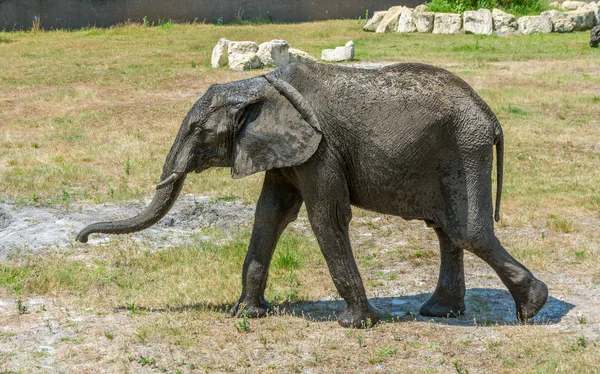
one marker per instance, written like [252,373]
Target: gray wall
[70,14]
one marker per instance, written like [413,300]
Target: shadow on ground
[485,307]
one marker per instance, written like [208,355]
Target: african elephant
[409,139]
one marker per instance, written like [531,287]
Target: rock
[534,24]
[424,21]
[242,56]
[447,23]
[374,21]
[478,22]
[274,53]
[389,23]
[560,21]
[297,55]
[406,22]
[219,54]
[421,8]
[504,23]
[594,7]
[338,54]
[584,18]
[595,37]
[573,5]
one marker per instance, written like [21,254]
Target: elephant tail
[499,142]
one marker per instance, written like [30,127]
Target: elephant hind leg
[448,299]
[530,294]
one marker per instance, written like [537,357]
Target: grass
[88,116]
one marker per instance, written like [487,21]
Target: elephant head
[251,125]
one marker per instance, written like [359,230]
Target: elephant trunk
[163,200]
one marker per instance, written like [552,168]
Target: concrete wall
[71,14]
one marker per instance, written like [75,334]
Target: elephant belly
[410,195]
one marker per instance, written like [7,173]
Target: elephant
[408,139]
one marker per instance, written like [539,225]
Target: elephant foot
[358,318]
[255,310]
[449,308]
[531,300]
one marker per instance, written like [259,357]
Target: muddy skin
[409,139]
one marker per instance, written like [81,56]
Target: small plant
[34,197]
[167,25]
[367,14]
[582,320]
[21,307]
[145,21]
[128,166]
[109,335]
[383,354]
[244,324]
[132,308]
[193,64]
[459,368]
[36,24]
[146,361]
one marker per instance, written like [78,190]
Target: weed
[21,307]
[128,166]
[146,361]
[166,25]
[582,320]
[36,24]
[244,324]
[49,325]
[193,64]
[132,308]
[459,368]
[109,334]
[383,354]
[145,21]
[561,224]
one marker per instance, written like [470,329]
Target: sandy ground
[56,329]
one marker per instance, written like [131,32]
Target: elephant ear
[276,130]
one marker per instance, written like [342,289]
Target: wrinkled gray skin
[595,37]
[410,140]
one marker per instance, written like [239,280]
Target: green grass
[515,7]
[88,116]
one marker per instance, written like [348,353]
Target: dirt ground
[60,334]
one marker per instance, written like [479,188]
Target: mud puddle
[34,228]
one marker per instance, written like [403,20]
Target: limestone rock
[274,53]
[389,23]
[447,23]
[242,56]
[504,23]
[219,54]
[534,24]
[406,22]
[424,21]
[338,54]
[478,22]
[374,21]
[594,7]
[584,18]
[573,5]
[421,8]
[595,37]
[297,55]
[560,21]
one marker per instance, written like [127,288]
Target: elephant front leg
[277,206]
[448,299]
[329,213]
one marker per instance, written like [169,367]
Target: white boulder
[478,22]
[338,54]
[389,23]
[573,5]
[584,18]
[504,23]
[219,54]
[421,8]
[374,21]
[560,21]
[424,21]
[406,22]
[297,55]
[274,53]
[534,24]
[447,23]
[242,56]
